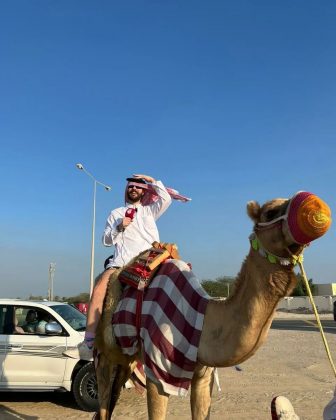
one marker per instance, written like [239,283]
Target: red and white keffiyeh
[151,195]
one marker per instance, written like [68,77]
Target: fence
[302,303]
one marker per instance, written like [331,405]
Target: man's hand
[145,177]
[124,223]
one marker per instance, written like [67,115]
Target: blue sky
[227,101]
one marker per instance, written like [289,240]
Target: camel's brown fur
[105,336]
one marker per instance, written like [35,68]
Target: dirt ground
[291,363]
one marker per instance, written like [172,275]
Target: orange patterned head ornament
[308,217]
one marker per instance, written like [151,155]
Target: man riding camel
[131,229]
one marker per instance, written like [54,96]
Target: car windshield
[72,316]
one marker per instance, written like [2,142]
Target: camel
[233,329]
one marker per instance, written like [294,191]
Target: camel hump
[171,265]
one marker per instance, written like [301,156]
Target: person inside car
[44,318]
[31,321]
[17,328]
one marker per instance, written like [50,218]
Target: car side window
[3,311]
[30,320]
[19,320]
[6,319]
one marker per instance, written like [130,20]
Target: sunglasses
[134,186]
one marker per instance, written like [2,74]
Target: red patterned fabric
[172,318]
[152,196]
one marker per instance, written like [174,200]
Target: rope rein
[300,264]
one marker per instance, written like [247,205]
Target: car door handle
[14,346]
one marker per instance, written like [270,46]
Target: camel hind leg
[201,390]
[105,373]
[110,379]
[123,373]
[109,353]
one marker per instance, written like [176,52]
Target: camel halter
[307,217]
[293,260]
[273,258]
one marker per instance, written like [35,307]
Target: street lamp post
[107,188]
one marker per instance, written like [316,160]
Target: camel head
[272,237]
[284,227]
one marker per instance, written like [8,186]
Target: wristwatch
[120,227]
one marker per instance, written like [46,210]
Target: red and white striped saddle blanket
[172,318]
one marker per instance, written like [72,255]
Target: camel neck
[237,327]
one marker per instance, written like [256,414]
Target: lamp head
[80,166]
[107,188]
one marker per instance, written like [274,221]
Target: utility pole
[52,269]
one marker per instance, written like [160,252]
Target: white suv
[33,337]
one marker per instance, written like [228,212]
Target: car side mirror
[53,328]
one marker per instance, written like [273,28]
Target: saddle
[140,272]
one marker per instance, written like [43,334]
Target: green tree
[32,297]
[81,298]
[300,289]
[221,287]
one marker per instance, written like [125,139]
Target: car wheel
[85,388]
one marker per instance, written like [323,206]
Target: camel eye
[271,214]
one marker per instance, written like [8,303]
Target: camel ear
[253,210]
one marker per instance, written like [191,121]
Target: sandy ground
[291,363]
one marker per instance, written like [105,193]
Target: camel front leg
[157,400]
[201,390]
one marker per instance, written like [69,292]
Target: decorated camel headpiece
[307,218]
